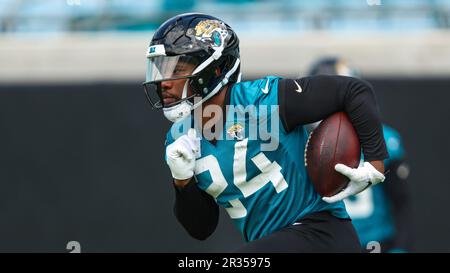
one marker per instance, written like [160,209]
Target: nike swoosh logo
[265,90]
[299,88]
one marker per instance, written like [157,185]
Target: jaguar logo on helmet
[211,31]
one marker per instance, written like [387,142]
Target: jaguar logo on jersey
[211,31]
[236,131]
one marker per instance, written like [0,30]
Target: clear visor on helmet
[162,68]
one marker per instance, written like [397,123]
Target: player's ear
[217,71]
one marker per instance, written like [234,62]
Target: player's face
[173,90]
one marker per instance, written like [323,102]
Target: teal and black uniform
[260,179]
[239,174]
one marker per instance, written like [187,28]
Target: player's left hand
[360,179]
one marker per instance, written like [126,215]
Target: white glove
[181,155]
[360,178]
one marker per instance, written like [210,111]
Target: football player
[193,62]
[380,214]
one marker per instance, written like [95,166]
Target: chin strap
[181,110]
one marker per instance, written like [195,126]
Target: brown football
[333,141]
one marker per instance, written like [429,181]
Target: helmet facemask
[201,40]
[168,68]
[203,81]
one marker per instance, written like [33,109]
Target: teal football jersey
[371,209]
[257,170]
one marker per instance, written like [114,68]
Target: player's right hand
[181,155]
[360,179]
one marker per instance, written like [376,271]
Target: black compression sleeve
[197,211]
[321,96]
[397,189]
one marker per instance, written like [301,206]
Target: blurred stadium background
[81,153]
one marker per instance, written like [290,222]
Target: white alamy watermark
[373,247]
[373,2]
[251,122]
[74,247]
[73,2]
